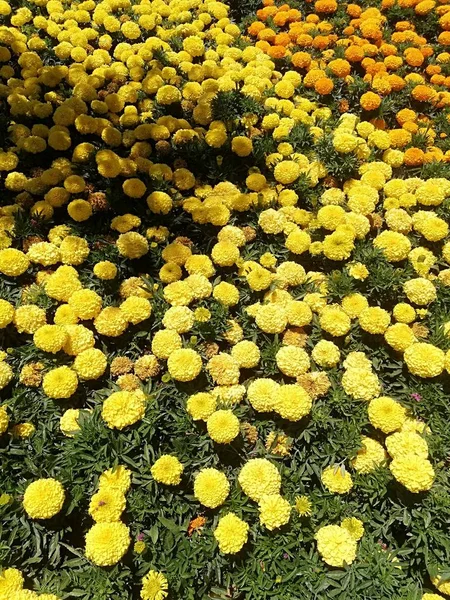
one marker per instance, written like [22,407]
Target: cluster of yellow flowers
[180,208]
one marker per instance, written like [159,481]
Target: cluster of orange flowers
[386,55]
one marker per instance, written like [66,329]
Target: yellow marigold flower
[6,374]
[335,321]
[292,361]
[404,443]
[23,430]
[136,309]
[424,360]
[86,304]
[4,420]
[360,383]
[184,364]
[111,322]
[354,526]
[336,546]
[211,487]
[6,313]
[59,383]
[132,245]
[11,581]
[123,409]
[223,426]
[246,353]
[201,406]
[105,270]
[118,477]
[369,456]
[420,291]
[337,480]
[165,342]
[13,262]
[167,469]
[386,414]
[274,511]
[271,318]
[259,477]
[106,543]
[50,338]
[107,505]
[374,319]
[28,318]
[43,498]
[326,354]
[90,364]
[261,394]
[231,533]
[292,402]
[154,586]
[414,472]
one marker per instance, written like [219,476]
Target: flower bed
[224,300]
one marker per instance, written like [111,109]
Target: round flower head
[107,505]
[337,480]
[292,361]
[167,469]
[274,511]
[261,394]
[223,426]
[211,488]
[412,471]
[424,360]
[369,456]
[292,402]
[118,477]
[11,581]
[259,477]
[43,498]
[336,546]
[6,374]
[60,383]
[231,533]
[106,543]
[154,586]
[123,409]
[201,406]
[90,364]
[404,443]
[13,262]
[386,414]
[184,364]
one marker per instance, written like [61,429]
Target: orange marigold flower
[414,57]
[282,39]
[444,38]
[411,127]
[281,18]
[392,63]
[304,40]
[320,42]
[301,60]
[324,86]
[312,18]
[404,115]
[425,7]
[326,6]
[277,51]
[370,101]
[354,53]
[340,67]
[312,76]
[354,10]
[348,30]
[414,157]
[396,83]
[294,15]
[423,93]
[438,80]
[388,49]
[266,35]
[255,28]
[385,4]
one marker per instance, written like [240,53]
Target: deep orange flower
[326,6]
[255,28]
[277,51]
[281,18]
[414,157]
[324,86]
[320,42]
[282,39]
